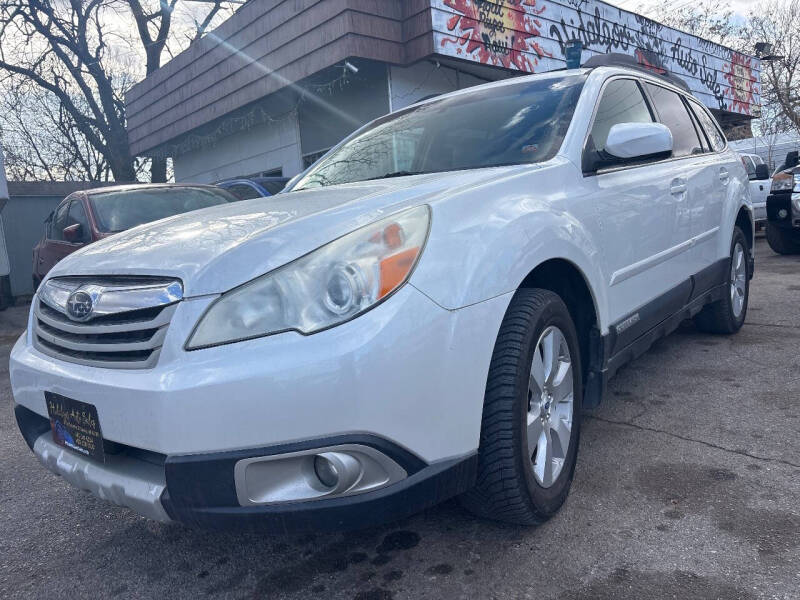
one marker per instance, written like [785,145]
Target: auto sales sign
[532,36]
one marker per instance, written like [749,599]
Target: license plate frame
[75,426]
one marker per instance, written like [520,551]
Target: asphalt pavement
[687,486]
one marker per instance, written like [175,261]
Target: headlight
[782,182]
[796,182]
[327,287]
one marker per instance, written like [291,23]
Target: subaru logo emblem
[79,306]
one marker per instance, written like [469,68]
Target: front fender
[479,250]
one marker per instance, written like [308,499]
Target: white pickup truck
[760,183]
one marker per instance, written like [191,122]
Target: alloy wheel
[550,405]
[738,280]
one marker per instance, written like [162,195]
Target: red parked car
[87,216]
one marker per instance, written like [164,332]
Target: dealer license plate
[75,425]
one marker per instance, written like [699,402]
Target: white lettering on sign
[530,36]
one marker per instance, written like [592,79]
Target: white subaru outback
[423,315]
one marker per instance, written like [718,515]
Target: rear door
[697,171]
[643,215]
[710,214]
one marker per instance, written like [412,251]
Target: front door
[643,213]
[55,247]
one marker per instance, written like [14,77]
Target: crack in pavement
[695,440]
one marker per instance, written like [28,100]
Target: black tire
[719,316]
[783,241]
[506,488]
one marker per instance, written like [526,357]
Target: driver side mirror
[631,142]
[73,233]
[762,172]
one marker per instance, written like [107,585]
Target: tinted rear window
[709,126]
[672,113]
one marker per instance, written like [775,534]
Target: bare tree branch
[776,23]
[82,61]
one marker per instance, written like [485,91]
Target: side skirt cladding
[633,335]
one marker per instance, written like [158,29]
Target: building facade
[281,81]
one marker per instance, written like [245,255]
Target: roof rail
[615,59]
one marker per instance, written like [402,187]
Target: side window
[244,191]
[674,114]
[77,214]
[273,187]
[749,166]
[704,143]
[59,222]
[710,126]
[622,102]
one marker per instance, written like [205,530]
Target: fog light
[326,471]
[313,474]
[782,213]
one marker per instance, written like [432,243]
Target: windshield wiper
[395,174]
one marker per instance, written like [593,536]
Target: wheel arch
[565,278]
[744,220]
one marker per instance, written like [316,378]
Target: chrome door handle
[678,187]
[723,175]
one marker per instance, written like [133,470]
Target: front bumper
[408,374]
[200,490]
[786,204]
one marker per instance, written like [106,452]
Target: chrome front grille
[126,324]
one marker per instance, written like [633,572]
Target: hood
[215,249]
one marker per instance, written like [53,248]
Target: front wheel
[727,315]
[783,241]
[531,414]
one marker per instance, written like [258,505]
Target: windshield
[507,125]
[117,211]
